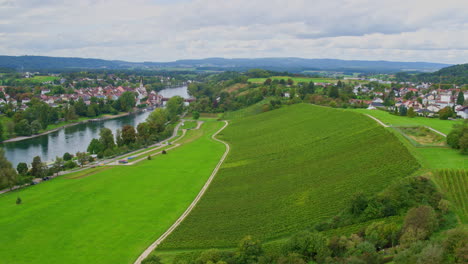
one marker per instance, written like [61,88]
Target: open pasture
[295,79]
[109,214]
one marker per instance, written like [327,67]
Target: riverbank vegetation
[39,116]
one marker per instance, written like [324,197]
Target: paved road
[153,246]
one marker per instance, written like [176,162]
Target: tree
[58,164]
[67,156]
[334,92]
[118,138]
[267,81]
[106,138]
[175,106]
[411,113]
[35,126]
[126,102]
[2,131]
[460,98]
[80,107]
[22,168]
[156,120]
[403,110]
[8,175]
[382,235]
[37,167]
[195,115]
[82,157]
[94,147]
[445,113]
[18,200]
[143,132]
[128,135]
[420,222]
[23,128]
[249,250]
[311,246]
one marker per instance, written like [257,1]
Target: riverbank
[85,120]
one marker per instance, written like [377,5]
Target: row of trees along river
[74,138]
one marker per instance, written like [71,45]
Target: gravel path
[153,246]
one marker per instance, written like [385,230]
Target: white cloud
[163,30]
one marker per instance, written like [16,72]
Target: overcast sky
[166,30]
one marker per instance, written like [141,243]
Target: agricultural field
[106,214]
[432,156]
[444,126]
[41,79]
[454,183]
[295,79]
[289,169]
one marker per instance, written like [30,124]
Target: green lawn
[110,216]
[295,79]
[444,126]
[189,124]
[46,78]
[289,169]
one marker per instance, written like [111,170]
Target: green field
[42,79]
[429,156]
[444,126]
[106,214]
[189,124]
[454,183]
[295,79]
[289,169]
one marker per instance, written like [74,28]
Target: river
[74,138]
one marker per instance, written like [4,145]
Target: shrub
[18,200]
[153,259]
[163,152]
[67,156]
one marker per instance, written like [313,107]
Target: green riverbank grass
[105,215]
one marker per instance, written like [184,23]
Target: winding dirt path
[155,244]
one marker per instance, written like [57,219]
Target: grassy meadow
[295,79]
[289,169]
[444,126]
[106,214]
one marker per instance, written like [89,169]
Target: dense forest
[457,74]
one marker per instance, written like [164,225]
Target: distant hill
[456,74]
[276,64]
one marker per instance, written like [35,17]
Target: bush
[18,200]
[67,156]
[163,152]
[153,259]
[70,164]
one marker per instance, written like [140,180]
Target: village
[143,97]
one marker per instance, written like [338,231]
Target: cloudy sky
[165,30]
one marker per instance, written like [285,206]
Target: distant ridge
[277,64]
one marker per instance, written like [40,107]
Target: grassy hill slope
[107,214]
[289,169]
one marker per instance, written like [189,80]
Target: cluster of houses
[426,103]
[151,99]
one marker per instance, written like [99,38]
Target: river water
[74,138]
